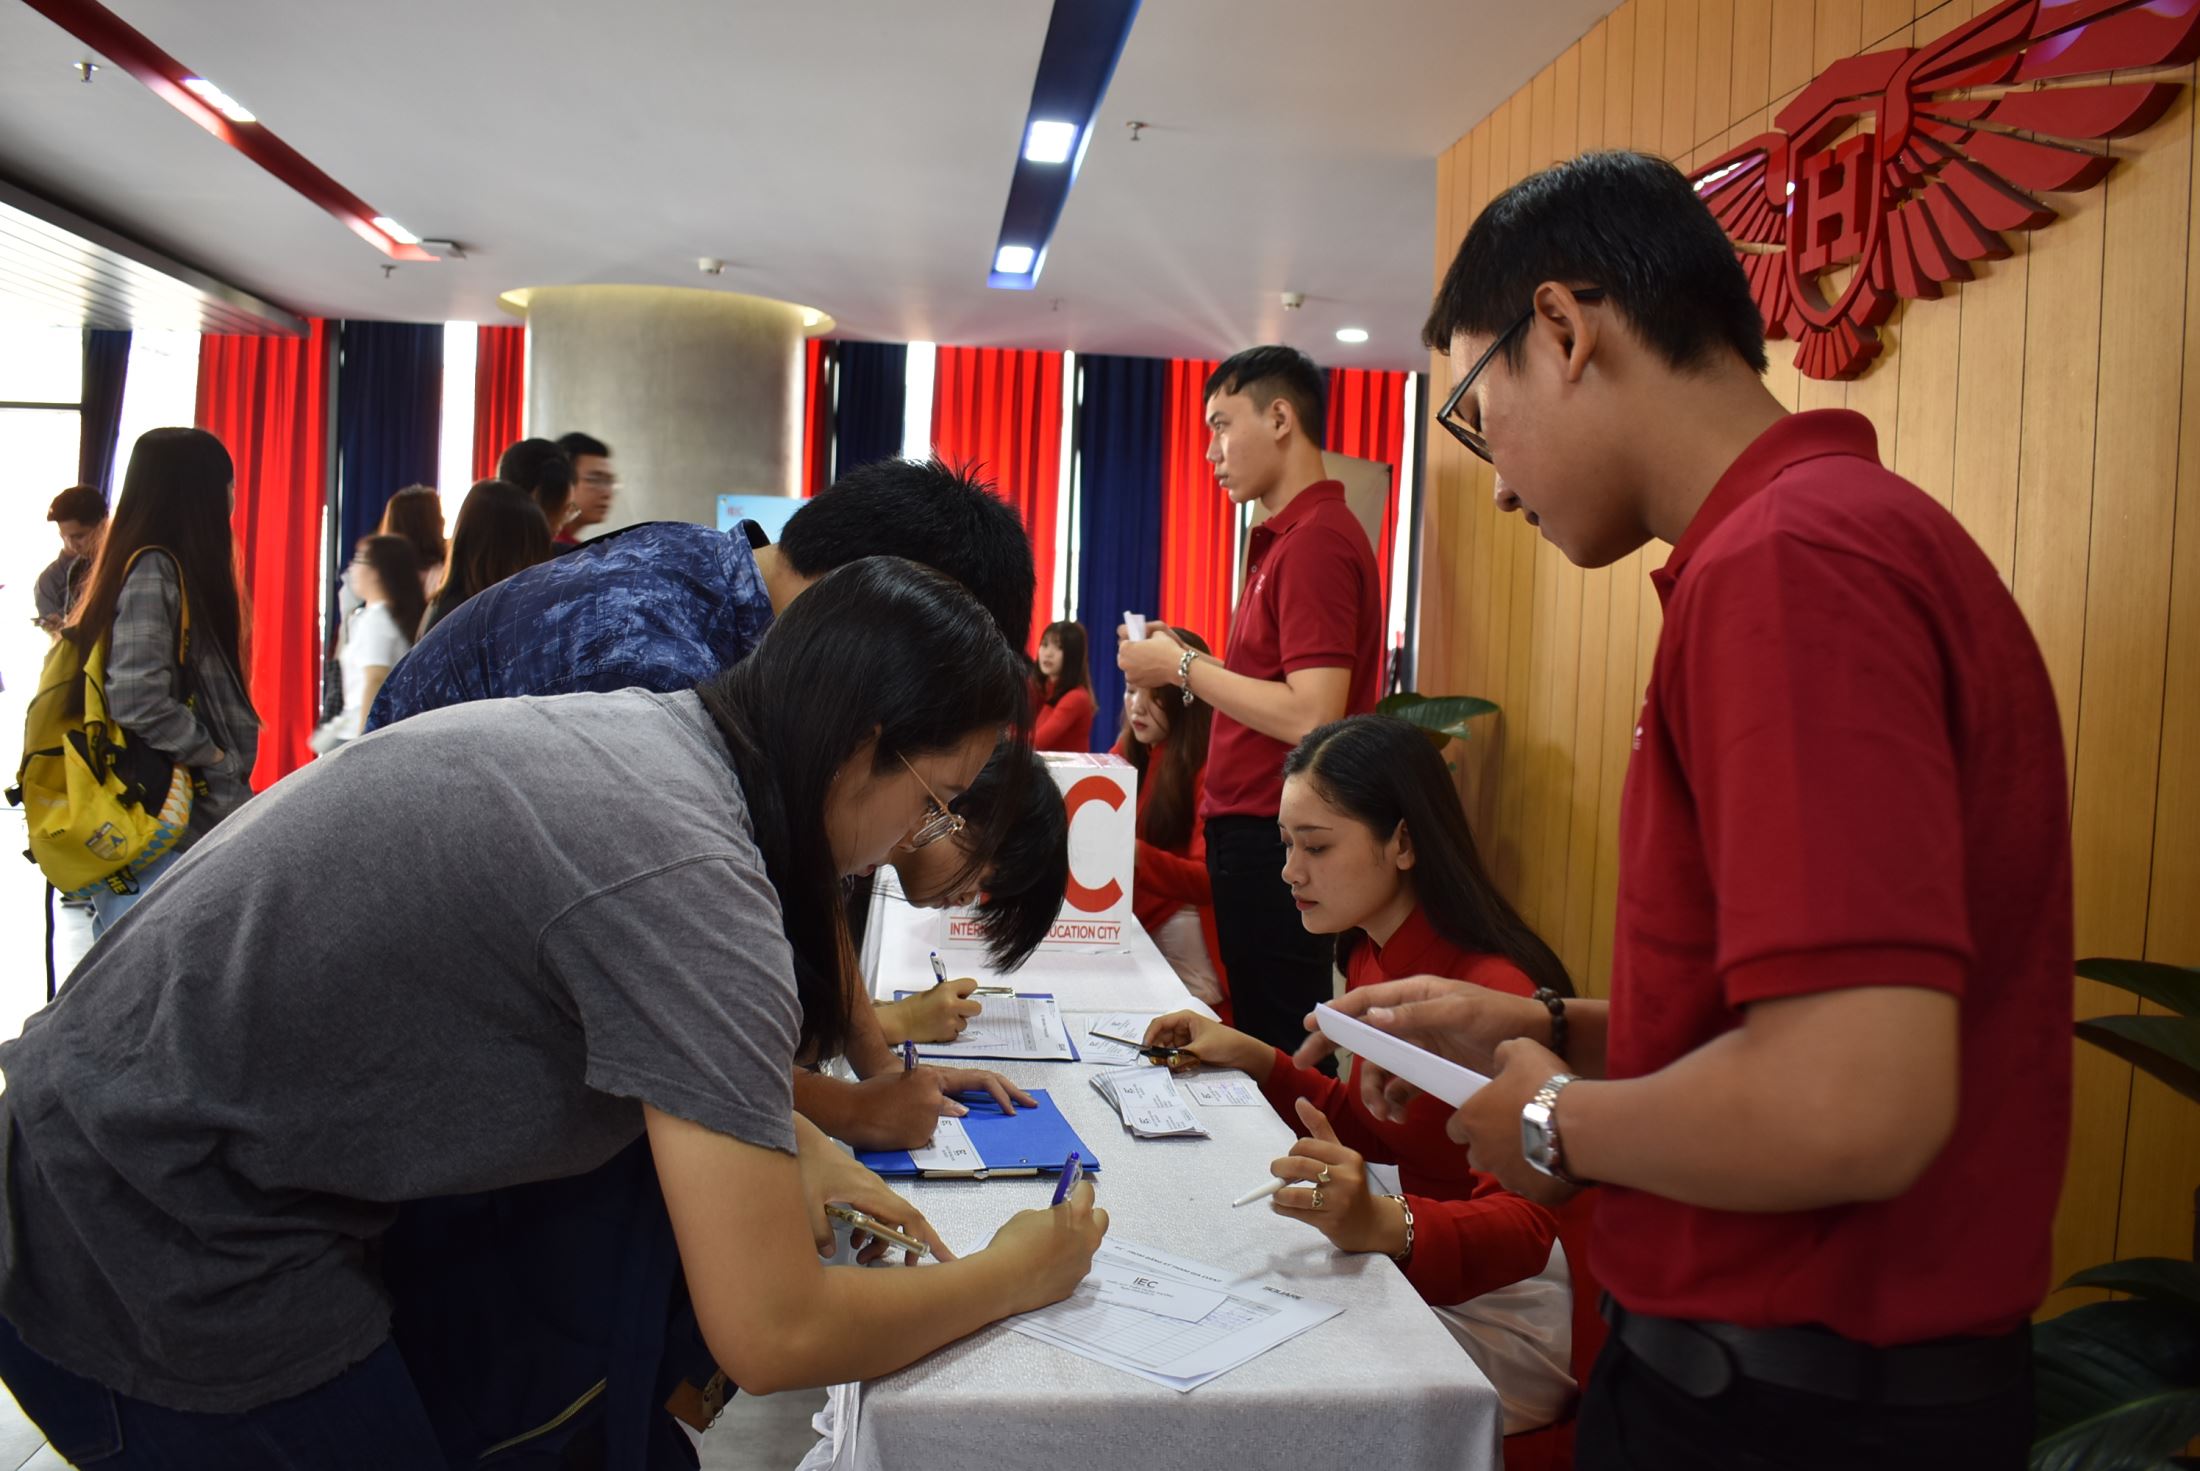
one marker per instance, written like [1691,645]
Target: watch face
[1535,1136]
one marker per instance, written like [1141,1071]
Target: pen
[908,1057]
[939,971]
[1265,1191]
[1155,1054]
[878,1228]
[1073,1170]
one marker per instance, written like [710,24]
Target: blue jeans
[368,1418]
[108,907]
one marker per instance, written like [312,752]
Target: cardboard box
[1101,794]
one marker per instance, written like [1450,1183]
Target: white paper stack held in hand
[1149,1103]
[1439,1077]
[1169,1319]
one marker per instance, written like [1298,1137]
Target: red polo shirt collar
[1789,442]
[1302,505]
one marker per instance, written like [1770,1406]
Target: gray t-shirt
[447,959]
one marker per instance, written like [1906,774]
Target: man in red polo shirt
[1830,1096]
[1305,648]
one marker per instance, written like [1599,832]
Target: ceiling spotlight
[214,97]
[395,231]
[85,69]
[1352,334]
[1050,142]
[1014,260]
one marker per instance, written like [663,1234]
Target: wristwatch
[1539,1130]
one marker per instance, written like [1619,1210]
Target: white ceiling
[852,155]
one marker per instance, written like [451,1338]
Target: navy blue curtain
[106,365]
[1119,402]
[389,421]
[874,386]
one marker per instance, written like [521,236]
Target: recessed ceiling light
[1014,260]
[395,231]
[214,97]
[1050,142]
[1352,334]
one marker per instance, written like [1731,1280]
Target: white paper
[1104,1043]
[1149,1292]
[1134,624]
[1252,1318]
[1224,1092]
[1439,1077]
[949,1153]
[1011,1027]
[1148,1102]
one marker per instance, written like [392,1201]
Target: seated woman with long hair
[500,531]
[1064,721]
[1171,894]
[1377,852]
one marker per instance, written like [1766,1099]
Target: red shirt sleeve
[1464,1248]
[1318,580]
[1065,725]
[1161,874]
[1811,719]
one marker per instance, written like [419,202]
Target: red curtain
[817,415]
[1002,409]
[267,399]
[500,401]
[1367,420]
[1197,546]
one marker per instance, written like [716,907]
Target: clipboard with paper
[987,1142]
[1025,1027]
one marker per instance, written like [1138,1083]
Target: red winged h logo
[1958,136]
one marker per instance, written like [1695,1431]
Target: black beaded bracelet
[1557,1005]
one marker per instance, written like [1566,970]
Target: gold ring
[1316,1202]
[1323,1177]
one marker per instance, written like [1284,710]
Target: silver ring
[1316,1202]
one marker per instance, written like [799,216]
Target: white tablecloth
[1382,1384]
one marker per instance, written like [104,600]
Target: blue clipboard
[1074,1054]
[1030,1141]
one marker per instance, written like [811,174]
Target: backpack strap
[183,597]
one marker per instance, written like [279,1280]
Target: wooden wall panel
[2058,444]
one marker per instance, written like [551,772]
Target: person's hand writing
[935,1015]
[1050,1251]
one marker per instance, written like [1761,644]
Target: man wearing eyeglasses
[1305,648]
[1829,1097]
[595,484]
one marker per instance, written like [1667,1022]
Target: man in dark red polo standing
[1305,648]
[1829,1098]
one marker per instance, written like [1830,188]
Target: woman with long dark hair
[168,551]
[1171,894]
[1377,852]
[1065,691]
[416,514]
[500,531]
[647,946]
[385,576]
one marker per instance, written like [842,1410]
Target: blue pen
[1073,1170]
[908,1057]
[939,971]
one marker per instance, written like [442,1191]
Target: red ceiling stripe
[114,38]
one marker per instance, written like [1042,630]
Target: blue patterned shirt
[657,607]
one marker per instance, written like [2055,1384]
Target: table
[1384,1383]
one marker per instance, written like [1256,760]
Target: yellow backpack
[99,806]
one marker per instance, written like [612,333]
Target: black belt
[1704,1359]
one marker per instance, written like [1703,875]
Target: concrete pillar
[698,393]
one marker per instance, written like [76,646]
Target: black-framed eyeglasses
[1470,435]
[939,822]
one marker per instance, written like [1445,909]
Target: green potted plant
[1444,717]
[2119,1381]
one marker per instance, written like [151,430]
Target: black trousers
[1277,970]
[1634,1419]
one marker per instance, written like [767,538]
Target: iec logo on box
[1101,794]
[1950,142]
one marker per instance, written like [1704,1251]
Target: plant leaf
[2160,1278]
[2174,986]
[2166,1046]
[2093,1359]
[2135,1436]
[1446,713]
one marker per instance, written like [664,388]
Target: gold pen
[878,1228]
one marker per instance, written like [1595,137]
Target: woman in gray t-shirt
[415,969]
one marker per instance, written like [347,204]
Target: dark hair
[416,514]
[80,503]
[915,662]
[397,567]
[1381,771]
[1165,818]
[577,444]
[542,470]
[500,531]
[938,517]
[175,495]
[1027,847]
[1265,374]
[1626,222]
[1070,638]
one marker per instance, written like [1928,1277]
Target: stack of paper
[1229,1090]
[1166,1318]
[1148,1102]
[1113,1040]
[1026,1028]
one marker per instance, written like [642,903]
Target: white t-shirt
[373,639]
